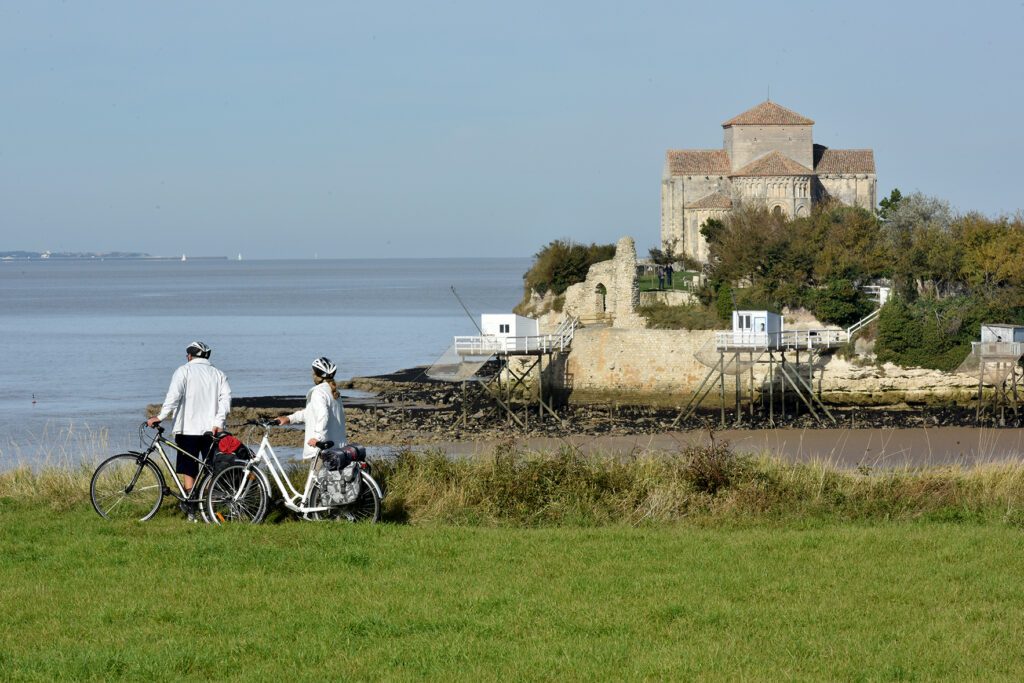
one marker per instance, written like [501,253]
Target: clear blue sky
[465,128]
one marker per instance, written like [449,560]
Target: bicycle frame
[293,500]
[159,441]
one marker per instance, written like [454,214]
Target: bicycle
[132,486]
[241,493]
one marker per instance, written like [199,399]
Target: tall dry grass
[706,484]
[712,483]
[52,467]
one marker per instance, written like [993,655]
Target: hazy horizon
[409,129]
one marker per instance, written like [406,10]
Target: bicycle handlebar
[324,445]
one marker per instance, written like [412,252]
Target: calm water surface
[92,342]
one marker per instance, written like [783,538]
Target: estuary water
[86,344]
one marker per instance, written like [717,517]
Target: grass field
[540,566]
[87,599]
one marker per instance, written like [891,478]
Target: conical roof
[768,114]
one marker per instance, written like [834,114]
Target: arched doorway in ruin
[601,298]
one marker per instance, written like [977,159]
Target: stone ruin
[611,292]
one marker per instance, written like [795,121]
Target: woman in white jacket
[323,415]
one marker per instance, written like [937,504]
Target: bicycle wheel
[202,485]
[126,486]
[365,508]
[237,495]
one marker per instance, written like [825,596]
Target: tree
[889,204]
[840,303]
[563,263]
[909,230]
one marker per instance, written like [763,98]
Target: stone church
[769,157]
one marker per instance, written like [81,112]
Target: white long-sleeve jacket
[323,416]
[199,398]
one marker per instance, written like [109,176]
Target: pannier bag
[230,445]
[340,487]
[228,450]
[338,476]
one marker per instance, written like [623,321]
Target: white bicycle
[241,492]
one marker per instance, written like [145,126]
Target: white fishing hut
[760,329]
[507,325]
[996,333]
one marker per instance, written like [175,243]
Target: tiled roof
[698,162]
[715,200]
[845,161]
[773,164]
[768,114]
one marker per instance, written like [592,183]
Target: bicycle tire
[365,508]
[236,494]
[127,486]
[203,486]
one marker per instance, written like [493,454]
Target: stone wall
[747,143]
[853,189]
[646,366]
[660,367]
[668,297]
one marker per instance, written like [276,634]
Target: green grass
[682,281]
[545,566]
[87,599]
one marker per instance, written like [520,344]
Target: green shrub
[563,263]
[840,303]
[936,333]
[661,316]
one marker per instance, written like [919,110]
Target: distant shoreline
[113,256]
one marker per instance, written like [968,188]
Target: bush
[934,333]
[661,316]
[840,303]
[563,263]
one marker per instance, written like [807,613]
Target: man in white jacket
[323,414]
[199,398]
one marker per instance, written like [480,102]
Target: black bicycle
[132,486]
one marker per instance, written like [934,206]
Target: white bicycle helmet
[323,367]
[198,349]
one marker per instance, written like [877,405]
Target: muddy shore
[406,408]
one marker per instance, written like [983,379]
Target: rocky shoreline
[406,408]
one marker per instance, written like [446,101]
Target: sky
[469,129]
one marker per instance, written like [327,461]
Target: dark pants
[196,445]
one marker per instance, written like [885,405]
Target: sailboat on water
[239,256]
[183,258]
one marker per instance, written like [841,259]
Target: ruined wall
[660,367]
[611,291]
[648,366]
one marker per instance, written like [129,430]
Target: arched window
[777,211]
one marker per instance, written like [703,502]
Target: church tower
[768,157]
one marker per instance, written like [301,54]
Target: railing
[998,349]
[792,339]
[863,322]
[491,345]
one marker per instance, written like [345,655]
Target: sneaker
[188,510]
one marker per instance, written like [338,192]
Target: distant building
[769,157]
